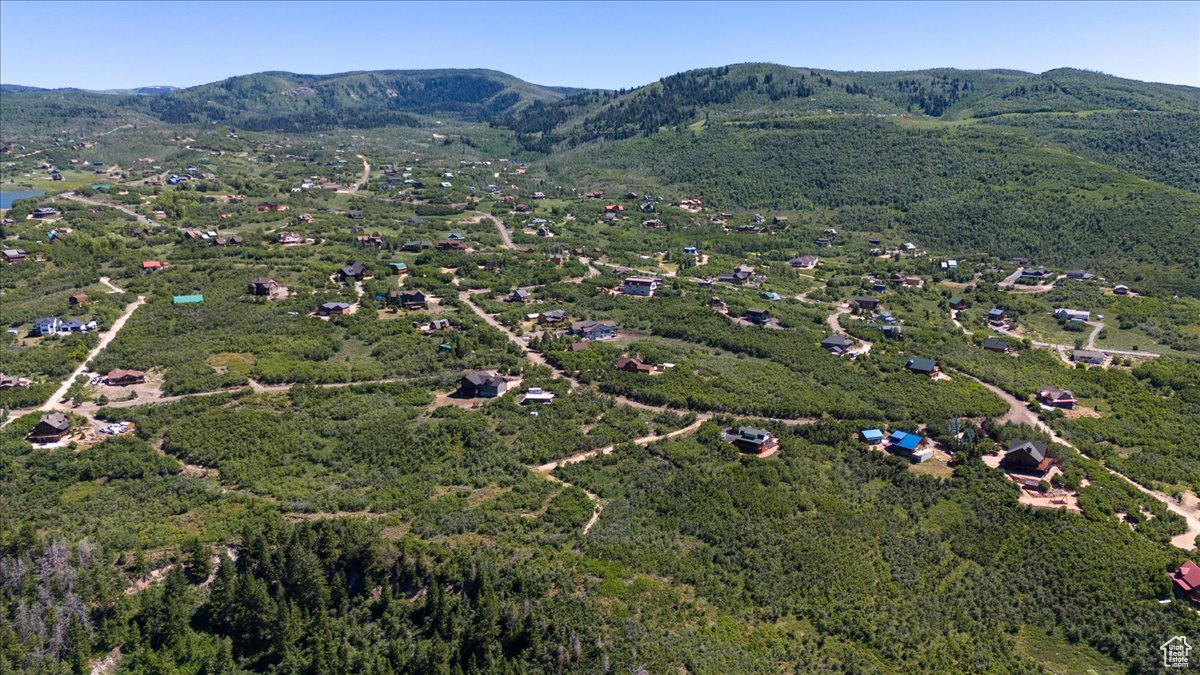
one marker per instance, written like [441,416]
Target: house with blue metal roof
[871,436]
[909,446]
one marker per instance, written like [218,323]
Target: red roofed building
[149,265]
[1187,580]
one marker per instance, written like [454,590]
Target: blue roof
[771,295]
[872,434]
[905,440]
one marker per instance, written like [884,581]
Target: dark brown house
[78,300]
[408,299]
[52,428]
[124,378]
[1027,457]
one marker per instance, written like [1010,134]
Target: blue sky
[100,45]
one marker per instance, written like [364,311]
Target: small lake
[7,198]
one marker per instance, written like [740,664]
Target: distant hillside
[766,90]
[286,102]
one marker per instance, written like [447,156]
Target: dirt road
[123,209]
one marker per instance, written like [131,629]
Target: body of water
[7,198]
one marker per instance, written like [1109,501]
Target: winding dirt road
[123,209]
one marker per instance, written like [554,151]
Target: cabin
[51,428]
[12,381]
[1076,315]
[779,220]
[922,366]
[957,303]
[77,300]
[997,316]
[437,325]
[640,286]
[189,299]
[997,345]
[804,262]
[691,250]
[837,344]
[44,212]
[871,436]
[1186,580]
[537,395]
[866,302]
[398,268]
[909,446]
[415,246]
[1036,274]
[288,238]
[717,304]
[772,296]
[757,315]
[1056,398]
[152,265]
[13,255]
[451,245]
[520,295]
[1080,275]
[332,308]
[753,440]
[354,270]
[409,300]
[633,365]
[594,330]
[124,378]
[482,384]
[553,316]
[1121,289]
[1027,457]
[1089,356]
[370,240]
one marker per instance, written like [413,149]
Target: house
[754,440]
[450,245]
[50,325]
[837,344]
[613,208]
[1187,580]
[997,316]
[997,345]
[804,262]
[757,315]
[271,206]
[1021,262]
[482,384]
[908,445]
[957,302]
[1036,274]
[1076,315]
[12,381]
[823,241]
[266,286]
[922,366]
[779,220]
[1027,457]
[538,195]
[600,195]
[1079,275]
[332,308]
[77,300]
[52,428]
[1056,398]
[124,378]
[13,255]
[44,212]
[893,332]
[520,295]
[1121,289]
[633,365]
[553,316]
[152,265]
[653,223]
[287,238]
[691,250]
[948,265]
[353,270]
[717,304]
[771,295]
[537,395]
[871,436]
[906,280]
[640,286]
[866,302]
[398,268]
[1089,356]
[415,246]
[437,325]
[370,240]
[594,330]
[523,208]
[410,300]
[191,299]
